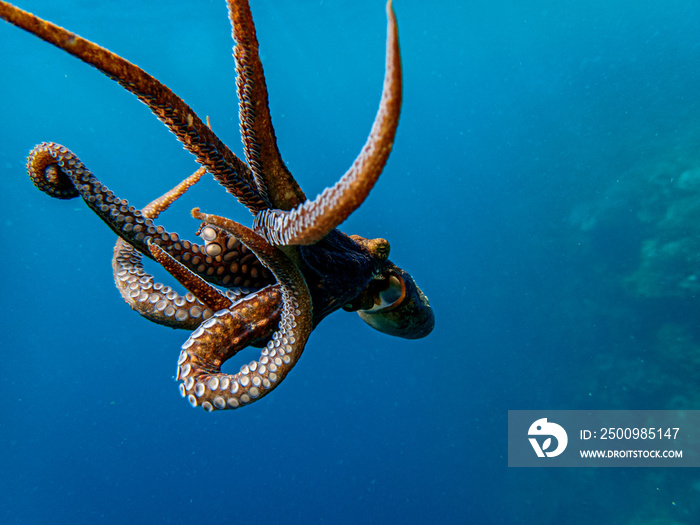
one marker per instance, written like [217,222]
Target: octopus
[265,286]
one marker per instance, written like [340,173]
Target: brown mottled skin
[282,277]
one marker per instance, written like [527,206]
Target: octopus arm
[199,365]
[202,290]
[58,172]
[151,299]
[272,178]
[197,138]
[311,221]
[157,302]
[157,206]
[160,303]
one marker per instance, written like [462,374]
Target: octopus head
[393,304]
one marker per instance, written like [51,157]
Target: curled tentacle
[153,300]
[46,176]
[311,221]
[158,302]
[170,109]
[52,167]
[253,318]
[199,365]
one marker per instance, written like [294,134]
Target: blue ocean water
[543,190]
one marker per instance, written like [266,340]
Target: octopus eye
[391,295]
[400,307]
